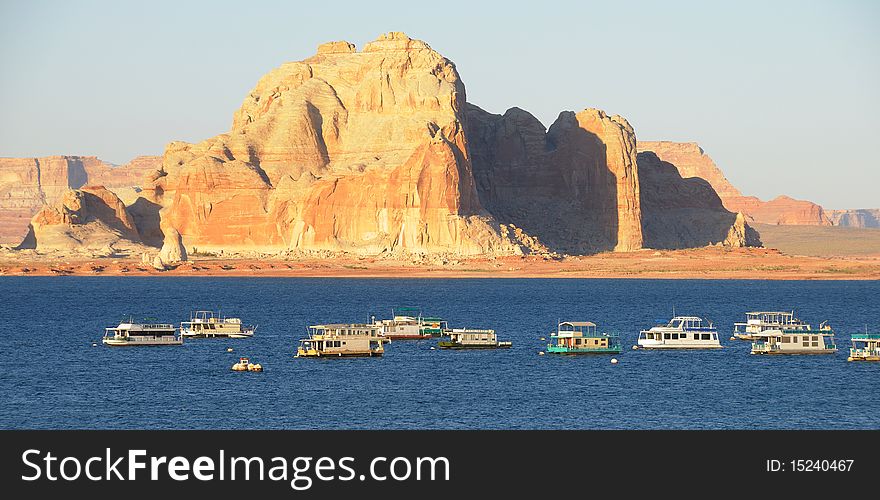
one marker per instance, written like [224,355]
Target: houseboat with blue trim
[865,347]
[582,337]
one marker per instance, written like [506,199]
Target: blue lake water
[55,378]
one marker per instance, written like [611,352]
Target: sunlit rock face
[357,151]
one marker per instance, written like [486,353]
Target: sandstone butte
[377,152]
[861,218]
[691,161]
[91,218]
[27,184]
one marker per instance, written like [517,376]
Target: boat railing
[764,346]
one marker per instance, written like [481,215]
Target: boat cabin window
[675,323]
[683,336]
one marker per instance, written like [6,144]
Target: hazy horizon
[783,97]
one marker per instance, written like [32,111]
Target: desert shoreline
[703,263]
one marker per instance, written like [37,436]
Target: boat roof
[866,336]
[692,318]
[782,313]
[578,323]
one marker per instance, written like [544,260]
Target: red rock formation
[691,161]
[27,184]
[90,218]
[860,218]
[574,187]
[682,212]
[357,151]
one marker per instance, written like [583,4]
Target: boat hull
[127,343]
[202,335]
[864,358]
[678,347]
[565,350]
[312,354]
[450,345]
[795,353]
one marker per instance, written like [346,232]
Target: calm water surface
[55,378]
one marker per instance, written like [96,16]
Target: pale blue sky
[783,95]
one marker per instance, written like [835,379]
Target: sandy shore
[706,263]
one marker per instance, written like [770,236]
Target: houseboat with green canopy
[865,347]
[582,337]
[407,323]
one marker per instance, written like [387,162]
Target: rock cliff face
[575,186]
[90,218]
[356,151]
[686,212]
[691,161]
[377,152]
[27,184]
[861,218]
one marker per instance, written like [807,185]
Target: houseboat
[865,347]
[464,338]
[341,340]
[682,332]
[761,321]
[795,341]
[129,333]
[407,323]
[207,324]
[582,337]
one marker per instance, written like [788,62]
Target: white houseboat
[761,321]
[129,333]
[795,341]
[464,338]
[407,323]
[682,332]
[207,324]
[341,340]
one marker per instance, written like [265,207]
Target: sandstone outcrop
[355,151]
[27,184]
[691,161]
[860,218]
[575,186]
[88,219]
[680,212]
[580,188]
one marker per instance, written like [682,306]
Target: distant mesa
[691,161]
[28,184]
[378,152]
[91,218]
[859,218]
